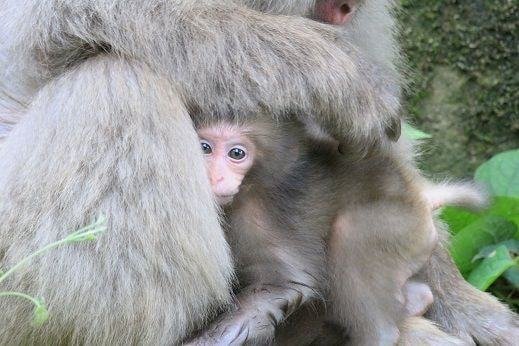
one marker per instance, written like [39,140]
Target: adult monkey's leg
[461,309]
[110,137]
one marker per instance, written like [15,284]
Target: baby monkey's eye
[237,154]
[206,148]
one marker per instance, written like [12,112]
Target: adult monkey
[105,129]
[108,84]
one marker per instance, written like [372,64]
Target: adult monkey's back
[105,87]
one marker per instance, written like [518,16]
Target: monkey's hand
[238,327]
[260,310]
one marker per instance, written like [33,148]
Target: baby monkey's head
[229,153]
[263,152]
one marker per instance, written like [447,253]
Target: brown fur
[465,313]
[309,223]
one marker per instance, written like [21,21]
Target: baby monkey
[306,222]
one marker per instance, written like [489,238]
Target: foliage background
[463,58]
[464,74]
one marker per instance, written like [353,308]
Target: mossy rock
[464,73]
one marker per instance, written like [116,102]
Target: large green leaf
[413,133]
[485,231]
[507,207]
[512,245]
[501,174]
[491,268]
[458,218]
[512,275]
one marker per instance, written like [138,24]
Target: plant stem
[92,230]
[20,295]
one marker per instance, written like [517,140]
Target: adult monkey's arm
[224,59]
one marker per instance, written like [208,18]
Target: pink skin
[229,155]
[336,12]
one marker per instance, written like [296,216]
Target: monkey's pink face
[229,156]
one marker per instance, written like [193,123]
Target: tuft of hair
[463,194]
[9,117]
[13,98]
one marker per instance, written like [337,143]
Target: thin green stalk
[86,233]
[20,295]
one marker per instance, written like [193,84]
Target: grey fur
[216,53]
[161,269]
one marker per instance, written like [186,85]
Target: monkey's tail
[464,194]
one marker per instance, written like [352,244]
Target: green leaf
[504,206]
[515,220]
[485,231]
[413,133]
[512,275]
[501,174]
[458,218]
[512,245]
[491,268]
[40,315]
